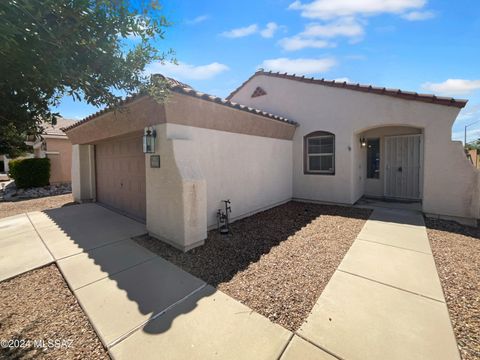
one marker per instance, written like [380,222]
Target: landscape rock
[11,193]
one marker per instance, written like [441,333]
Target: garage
[120,175]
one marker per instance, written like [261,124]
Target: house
[472,155]
[4,160]
[54,144]
[292,138]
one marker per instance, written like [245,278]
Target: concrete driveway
[384,300]
[21,249]
[131,295]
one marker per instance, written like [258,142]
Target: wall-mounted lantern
[363,142]
[149,135]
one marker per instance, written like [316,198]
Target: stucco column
[176,194]
[83,173]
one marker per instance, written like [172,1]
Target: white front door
[403,166]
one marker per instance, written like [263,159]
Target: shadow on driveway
[132,294]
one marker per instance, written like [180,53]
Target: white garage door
[120,175]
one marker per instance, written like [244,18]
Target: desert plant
[30,172]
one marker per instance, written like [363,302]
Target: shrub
[30,172]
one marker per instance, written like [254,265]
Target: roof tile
[182,88]
[407,95]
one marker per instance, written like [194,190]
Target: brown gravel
[38,305]
[49,202]
[456,249]
[278,261]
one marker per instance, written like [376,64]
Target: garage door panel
[120,165]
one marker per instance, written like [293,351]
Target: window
[319,153]
[373,158]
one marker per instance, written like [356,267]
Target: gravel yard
[18,207]
[456,249]
[38,305]
[278,261]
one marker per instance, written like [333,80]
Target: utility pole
[465,135]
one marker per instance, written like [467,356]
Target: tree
[473,145]
[87,49]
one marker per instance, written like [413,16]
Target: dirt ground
[278,261]
[41,319]
[49,202]
[456,249]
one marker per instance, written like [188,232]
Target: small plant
[30,172]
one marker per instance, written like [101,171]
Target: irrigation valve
[223,218]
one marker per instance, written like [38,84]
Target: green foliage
[30,172]
[91,50]
[473,145]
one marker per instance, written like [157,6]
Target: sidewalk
[385,300]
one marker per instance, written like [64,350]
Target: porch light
[149,136]
[363,142]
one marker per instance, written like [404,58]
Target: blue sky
[418,45]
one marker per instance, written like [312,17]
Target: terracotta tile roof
[56,130]
[407,95]
[189,91]
[182,88]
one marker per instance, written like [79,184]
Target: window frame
[306,155]
[379,158]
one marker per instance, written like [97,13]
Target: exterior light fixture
[149,135]
[363,142]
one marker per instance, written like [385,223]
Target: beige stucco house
[292,138]
[54,144]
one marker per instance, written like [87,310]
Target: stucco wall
[347,113]
[176,194]
[59,151]
[253,172]
[83,173]
[188,110]
[135,116]
[201,167]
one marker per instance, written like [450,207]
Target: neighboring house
[54,144]
[4,164]
[339,143]
[472,155]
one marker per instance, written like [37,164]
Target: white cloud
[469,112]
[347,27]
[241,32]
[343,79]
[314,35]
[184,71]
[453,86]
[297,43]
[269,30]
[299,66]
[418,15]
[328,9]
[472,134]
[198,20]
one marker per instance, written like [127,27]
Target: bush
[30,172]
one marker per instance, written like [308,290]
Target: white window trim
[330,171]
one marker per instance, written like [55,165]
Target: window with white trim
[319,153]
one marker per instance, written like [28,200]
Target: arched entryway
[392,162]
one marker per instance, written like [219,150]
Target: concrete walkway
[21,248]
[140,305]
[385,300]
